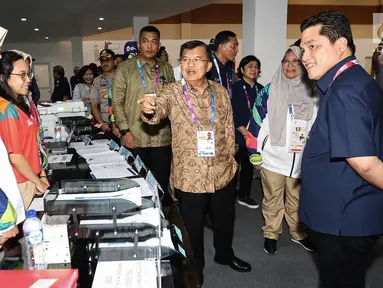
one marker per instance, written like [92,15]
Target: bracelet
[43,177]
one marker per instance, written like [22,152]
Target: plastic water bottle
[58,132]
[34,237]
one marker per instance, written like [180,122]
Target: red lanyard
[345,67]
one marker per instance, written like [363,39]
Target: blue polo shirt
[334,198]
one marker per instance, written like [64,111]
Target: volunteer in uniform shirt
[102,92]
[226,49]
[342,185]
[135,78]
[203,147]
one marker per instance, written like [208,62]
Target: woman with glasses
[19,126]
[291,112]
[244,93]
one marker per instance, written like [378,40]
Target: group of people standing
[319,151]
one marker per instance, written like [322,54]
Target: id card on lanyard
[228,79]
[205,138]
[298,133]
[148,93]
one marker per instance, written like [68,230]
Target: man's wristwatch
[124,132]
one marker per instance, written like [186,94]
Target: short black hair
[246,60]
[119,56]
[222,38]
[334,25]
[194,44]
[59,70]
[150,29]
[85,69]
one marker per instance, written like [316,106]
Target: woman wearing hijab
[291,112]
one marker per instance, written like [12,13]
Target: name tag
[205,144]
[150,95]
[298,136]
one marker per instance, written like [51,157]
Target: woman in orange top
[18,127]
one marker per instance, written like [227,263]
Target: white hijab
[284,91]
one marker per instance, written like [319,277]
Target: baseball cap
[211,44]
[107,53]
[130,49]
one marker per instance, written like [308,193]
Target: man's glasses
[293,63]
[24,75]
[196,61]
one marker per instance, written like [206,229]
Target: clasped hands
[148,104]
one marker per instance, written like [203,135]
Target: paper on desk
[146,190]
[123,274]
[100,155]
[112,173]
[64,158]
[43,283]
[94,167]
[109,160]
[93,150]
[101,142]
[38,203]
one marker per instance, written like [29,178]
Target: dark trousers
[221,206]
[246,172]
[343,260]
[158,160]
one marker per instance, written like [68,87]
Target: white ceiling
[62,19]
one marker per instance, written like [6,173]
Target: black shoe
[305,243]
[248,202]
[236,264]
[270,246]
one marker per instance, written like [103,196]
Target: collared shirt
[100,94]
[334,198]
[226,72]
[19,133]
[61,89]
[192,173]
[128,89]
[241,111]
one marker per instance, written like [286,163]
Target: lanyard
[142,74]
[345,67]
[228,81]
[187,96]
[247,97]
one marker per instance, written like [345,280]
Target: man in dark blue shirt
[341,199]
[225,51]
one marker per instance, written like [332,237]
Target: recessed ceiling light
[101,19]
[99,28]
[47,38]
[36,29]
[23,19]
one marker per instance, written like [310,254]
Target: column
[138,24]
[186,26]
[264,30]
[77,52]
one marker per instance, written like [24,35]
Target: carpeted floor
[291,267]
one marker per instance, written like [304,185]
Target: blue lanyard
[194,117]
[142,75]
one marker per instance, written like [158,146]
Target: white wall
[59,53]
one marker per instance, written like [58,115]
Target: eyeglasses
[196,61]
[293,63]
[24,75]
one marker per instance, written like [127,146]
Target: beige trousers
[28,191]
[281,199]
